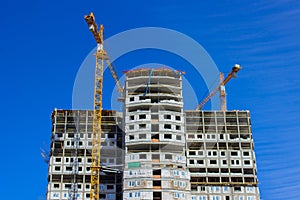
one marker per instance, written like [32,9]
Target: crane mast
[221,88]
[97,118]
[101,58]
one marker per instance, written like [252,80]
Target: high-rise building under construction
[154,149]
[155,161]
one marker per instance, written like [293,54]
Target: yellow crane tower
[101,57]
[221,89]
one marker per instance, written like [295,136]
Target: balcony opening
[142,126]
[214,179]
[224,170]
[200,162]
[167,116]
[142,116]
[157,173]
[157,183]
[225,179]
[237,188]
[155,137]
[167,136]
[167,126]
[193,187]
[157,196]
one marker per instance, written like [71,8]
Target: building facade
[220,155]
[70,155]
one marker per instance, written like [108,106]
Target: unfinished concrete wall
[155,162]
[70,159]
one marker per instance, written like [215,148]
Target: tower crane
[221,88]
[101,57]
[98,35]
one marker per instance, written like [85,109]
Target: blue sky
[43,44]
